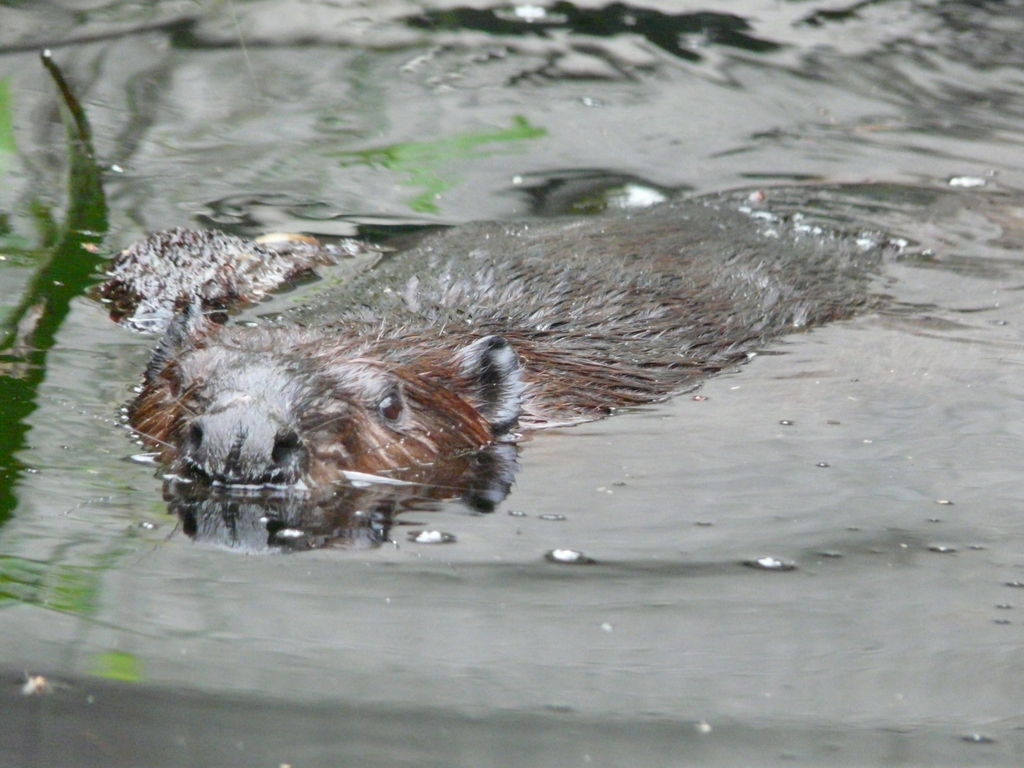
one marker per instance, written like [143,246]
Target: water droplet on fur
[770,564]
[431,537]
[568,557]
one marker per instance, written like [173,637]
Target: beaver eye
[390,406]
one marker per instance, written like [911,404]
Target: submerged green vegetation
[427,164]
[62,588]
[65,264]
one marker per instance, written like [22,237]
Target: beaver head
[241,406]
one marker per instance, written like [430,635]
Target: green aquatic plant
[427,164]
[7,147]
[65,268]
[117,665]
[62,588]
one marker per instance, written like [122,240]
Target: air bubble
[431,537]
[568,557]
[770,564]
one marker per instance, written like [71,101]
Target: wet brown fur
[600,314]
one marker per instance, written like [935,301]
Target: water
[883,647]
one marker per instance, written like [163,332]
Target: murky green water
[897,641]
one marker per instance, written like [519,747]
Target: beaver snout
[244,443]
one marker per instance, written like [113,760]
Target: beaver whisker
[151,438]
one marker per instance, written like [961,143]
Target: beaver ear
[184,331]
[491,368]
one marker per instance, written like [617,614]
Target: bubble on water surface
[978,738]
[431,537]
[530,14]
[770,564]
[967,181]
[635,196]
[568,557]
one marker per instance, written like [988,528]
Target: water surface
[896,641]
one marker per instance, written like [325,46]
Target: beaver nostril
[286,447]
[195,435]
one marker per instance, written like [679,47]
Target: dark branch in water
[81,124]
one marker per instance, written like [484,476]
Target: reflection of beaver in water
[483,330]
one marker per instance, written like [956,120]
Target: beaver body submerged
[485,330]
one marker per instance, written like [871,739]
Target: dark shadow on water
[668,31]
[95,722]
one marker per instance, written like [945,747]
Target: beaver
[481,333]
